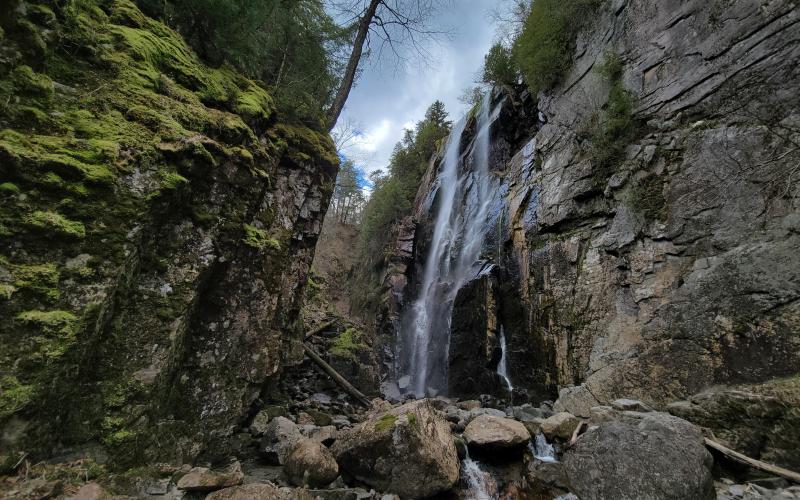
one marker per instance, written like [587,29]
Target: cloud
[390,98]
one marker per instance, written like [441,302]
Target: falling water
[541,449]
[502,366]
[479,483]
[464,199]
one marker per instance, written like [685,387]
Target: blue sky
[391,96]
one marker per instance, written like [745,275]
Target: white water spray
[479,483]
[541,449]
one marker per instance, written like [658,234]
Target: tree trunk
[352,64]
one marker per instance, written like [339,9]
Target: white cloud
[388,101]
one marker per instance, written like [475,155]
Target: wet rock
[311,464]
[534,426]
[260,491]
[408,451]
[640,455]
[560,425]
[280,436]
[491,434]
[629,405]
[204,479]
[549,473]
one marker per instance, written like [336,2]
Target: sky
[392,96]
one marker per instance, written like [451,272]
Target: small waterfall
[541,449]
[479,483]
[502,366]
[464,197]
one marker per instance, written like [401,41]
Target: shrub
[544,50]
[499,67]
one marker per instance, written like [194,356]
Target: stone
[528,412]
[561,425]
[549,473]
[408,451]
[534,426]
[260,491]
[629,405]
[602,413]
[340,421]
[576,400]
[263,417]
[495,434]
[280,436]
[325,435]
[469,404]
[204,479]
[90,491]
[477,412]
[641,455]
[311,464]
[304,418]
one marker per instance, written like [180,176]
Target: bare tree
[381,25]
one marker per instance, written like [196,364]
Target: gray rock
[311,464]
[560,425]
[630,405]
[641,455]
[280,436]
[576,400]
[408,451]
[204,479]
[260,491]
[495,434]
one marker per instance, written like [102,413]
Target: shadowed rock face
[675,268]
[642,455]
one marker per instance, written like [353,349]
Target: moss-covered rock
[153,252]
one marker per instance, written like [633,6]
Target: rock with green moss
[125,147]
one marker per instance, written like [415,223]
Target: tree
[392,23]
[499,67]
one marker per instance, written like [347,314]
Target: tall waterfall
[464,196]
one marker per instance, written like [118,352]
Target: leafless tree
[380,26]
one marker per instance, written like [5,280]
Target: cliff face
[157,225]
[648,246]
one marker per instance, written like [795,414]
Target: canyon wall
[657,259]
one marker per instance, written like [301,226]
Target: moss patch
[55,222]
[385,422]
[259,239]
[13,395]
[348,343]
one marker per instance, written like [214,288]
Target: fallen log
[347,386]
[320,328]
[752,462]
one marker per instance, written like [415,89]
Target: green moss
[611,131]
[348,343]
[258,238]
[303,144]
[56,222]
[39,278]
[385,422]
[6,291]
[115,433]
[254,103]
[52,322]
[412,419]
[647,197]
[8,187]
[13,395]
[28,82]
[172,180]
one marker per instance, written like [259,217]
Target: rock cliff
[648,241]
[157,224]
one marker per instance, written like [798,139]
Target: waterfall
[464,197]
[502,366]
[541,449]
[479,483]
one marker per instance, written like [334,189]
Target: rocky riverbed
[438,447]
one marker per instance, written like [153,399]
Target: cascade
[478,482]
[502,366]
[541,449]
[464,197]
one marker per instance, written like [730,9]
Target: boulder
[263,417]
[488,433]
[204,479]
[325,435]
[576,400]
[560,425]
[90,491]
[280,436]
[407,450]
[259,491]
[311,464]
[640,455]
[629,405]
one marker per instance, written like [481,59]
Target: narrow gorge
[586,287]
